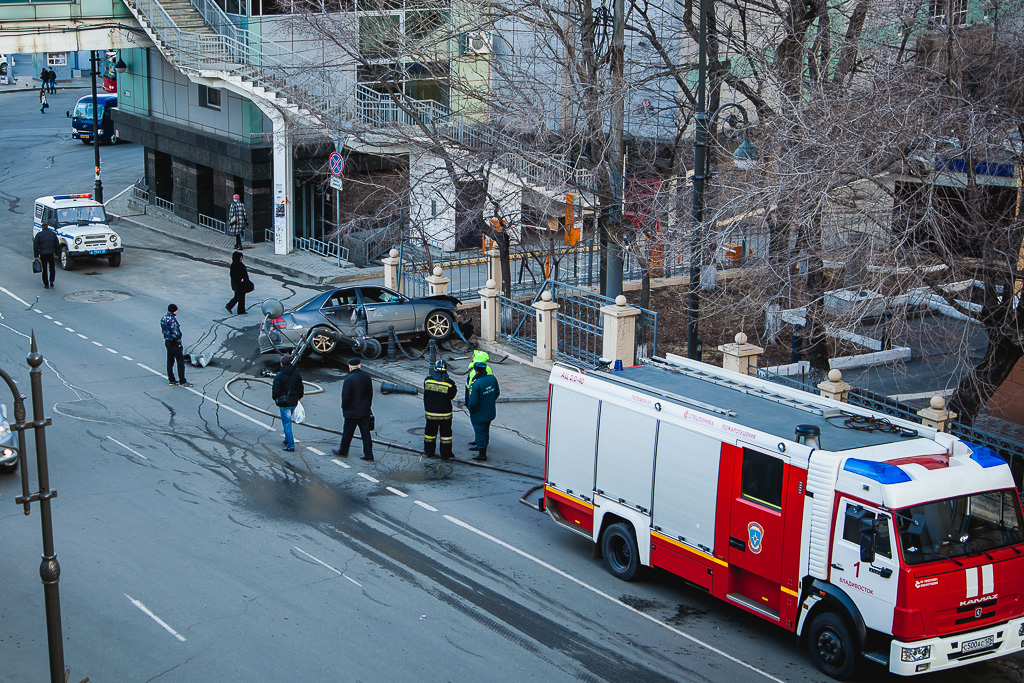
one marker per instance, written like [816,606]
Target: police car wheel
[621,553]
[67,262]
[831,645]
[114,260]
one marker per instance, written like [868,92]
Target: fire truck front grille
[977,612]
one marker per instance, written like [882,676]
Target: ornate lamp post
[49,569]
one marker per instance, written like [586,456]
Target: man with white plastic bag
[287,392]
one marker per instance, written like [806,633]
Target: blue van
[81,119]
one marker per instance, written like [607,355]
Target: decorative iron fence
[1012,452]
[516,324]
[414,285]
[212,223]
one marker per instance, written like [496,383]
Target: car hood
[443,297]
[83,229]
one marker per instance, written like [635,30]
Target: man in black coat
[356,400]
[240,283]
[45,246]
[287,392]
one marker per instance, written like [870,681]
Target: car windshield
[83,110]
[76,215]
[959,526]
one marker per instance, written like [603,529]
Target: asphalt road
[194,549]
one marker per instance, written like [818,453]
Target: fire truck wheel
[621,554]
[831,645]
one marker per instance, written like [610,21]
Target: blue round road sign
[336,163]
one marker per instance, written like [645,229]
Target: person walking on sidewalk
[240,283]
[356,402]
[172,340]
[237,220]
[53,81]
[483,394]
[42,100]
[287,392]
[438,392]
[45,246]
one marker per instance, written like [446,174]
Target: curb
[4,90]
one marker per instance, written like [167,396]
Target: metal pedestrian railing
[163,203]
[516,324]
[212,223]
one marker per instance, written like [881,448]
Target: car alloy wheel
[439,325]
[323,342]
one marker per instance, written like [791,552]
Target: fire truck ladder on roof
[742,387]
[668,395]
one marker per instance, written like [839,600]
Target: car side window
[39,211]
[372,295]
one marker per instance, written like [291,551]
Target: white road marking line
[69,329]
[342,464]
[82,335]
[97,343]
[395,491]
[598,591]
[127,357]
[48,317]
[146,367]
[425,506]
[155,618]
[317,451]
[18,299]
[58,323]
[34,309]
[367,477]
[212,400]
[316,559]
[127,448]
[111,350]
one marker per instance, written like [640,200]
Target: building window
[948,12]
[209,97]
[56,59]
[762,479]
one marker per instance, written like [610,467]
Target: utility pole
[613,256]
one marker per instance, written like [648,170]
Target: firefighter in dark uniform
[438,392]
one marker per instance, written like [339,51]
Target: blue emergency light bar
[72,196]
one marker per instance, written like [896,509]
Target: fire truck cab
[862,533]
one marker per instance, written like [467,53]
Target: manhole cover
[96,296]
[416,431]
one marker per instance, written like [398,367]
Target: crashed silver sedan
[360,313]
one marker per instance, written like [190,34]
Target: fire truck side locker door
[625,457]
[685,486]
[572,443]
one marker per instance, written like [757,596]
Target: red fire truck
[861,533]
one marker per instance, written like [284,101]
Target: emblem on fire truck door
[755,536]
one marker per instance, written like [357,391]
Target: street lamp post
[744,155]
[94,59]
[49,568]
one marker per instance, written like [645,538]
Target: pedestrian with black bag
[287,391]
[356,404]
[240,283]
[45,246]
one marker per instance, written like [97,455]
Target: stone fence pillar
[391,265]
[489,311]
[936,415]
[740,356]
[834,387]
[547,330]
[494,267]
[437,283]
[619,331]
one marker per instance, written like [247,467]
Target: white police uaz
[81,226]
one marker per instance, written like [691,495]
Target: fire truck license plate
[979,644]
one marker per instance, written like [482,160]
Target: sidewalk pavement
[24,84]
[305,266]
